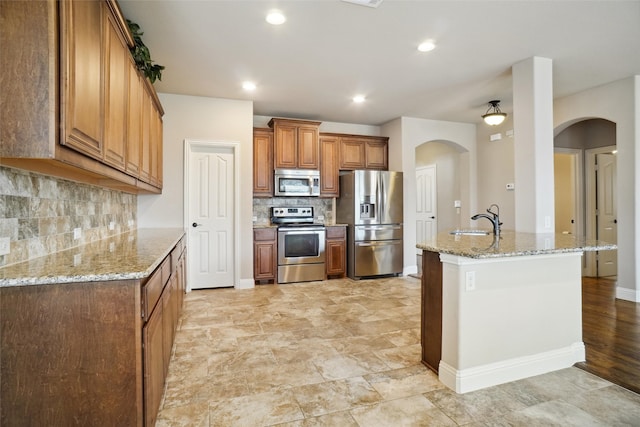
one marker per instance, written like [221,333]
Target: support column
[533,145]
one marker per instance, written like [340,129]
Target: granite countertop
[132,255]
[510,244]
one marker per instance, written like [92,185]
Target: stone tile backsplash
[39,213]
[321,207]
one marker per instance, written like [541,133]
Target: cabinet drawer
[336,232]
[176,253]
[165,268]
[153,288]
[264,234]
[151,293]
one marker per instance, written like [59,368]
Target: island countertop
[510,244]
[131,255]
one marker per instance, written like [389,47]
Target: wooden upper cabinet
[295,144]
[72,99]
[134,121]
[364,152]
[308,153]
[82,75]
[352,153]
[145,150]
[377,153]
[329,172]
[117,96]
[262,163]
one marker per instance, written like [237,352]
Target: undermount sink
[469,232]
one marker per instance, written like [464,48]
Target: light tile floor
[347,353]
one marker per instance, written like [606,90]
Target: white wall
[496,169]
[618,102]
[209,119]
[405,134]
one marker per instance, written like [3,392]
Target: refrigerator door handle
[381,196]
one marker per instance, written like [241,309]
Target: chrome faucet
[494,218]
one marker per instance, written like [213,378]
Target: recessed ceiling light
[248,86]
[275,17]
[426,46]
[359,98]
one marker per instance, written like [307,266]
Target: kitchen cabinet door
[376,154]
[308,152]
[134,122]
[265,254]
[286,146]
[262,163]
[329,173]
[152,337]
[336,247]
[117,77]
[352,154]
[82,76]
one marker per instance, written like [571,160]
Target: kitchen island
[496,310]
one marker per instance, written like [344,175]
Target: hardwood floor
[611,334]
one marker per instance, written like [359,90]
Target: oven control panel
[300,212]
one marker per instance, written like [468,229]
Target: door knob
[432,217]
[195,224]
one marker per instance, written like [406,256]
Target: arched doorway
[441,168]
[585,177]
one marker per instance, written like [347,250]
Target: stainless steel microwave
[297,182]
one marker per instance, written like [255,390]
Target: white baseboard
[411,269]
[627,294]
[466,380]
[245,284]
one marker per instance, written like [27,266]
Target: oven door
[301,245]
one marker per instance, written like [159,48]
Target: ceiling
[330,50]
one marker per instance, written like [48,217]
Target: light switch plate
[77,233]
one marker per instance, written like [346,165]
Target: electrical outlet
[77,233]
[77,260]
[470,280]
[547,222]
[5,245]
[457,204]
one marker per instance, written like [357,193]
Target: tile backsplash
[39,213]
[321,207]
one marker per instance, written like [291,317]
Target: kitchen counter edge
[127,256]
[511,244]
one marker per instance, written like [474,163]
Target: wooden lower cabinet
[265,254]
[153,350]
[431,310]
[83,354]
[336,251]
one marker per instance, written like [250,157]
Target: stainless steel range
[301,245]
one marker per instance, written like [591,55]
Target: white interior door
[565,193]
[210,215]
[606,212]
[426,204]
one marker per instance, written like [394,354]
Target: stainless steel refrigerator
[370,203]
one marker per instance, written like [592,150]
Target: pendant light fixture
[494,116]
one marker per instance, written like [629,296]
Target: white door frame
[189,144]
[591,232]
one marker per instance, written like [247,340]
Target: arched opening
[441,169]
[585,188]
